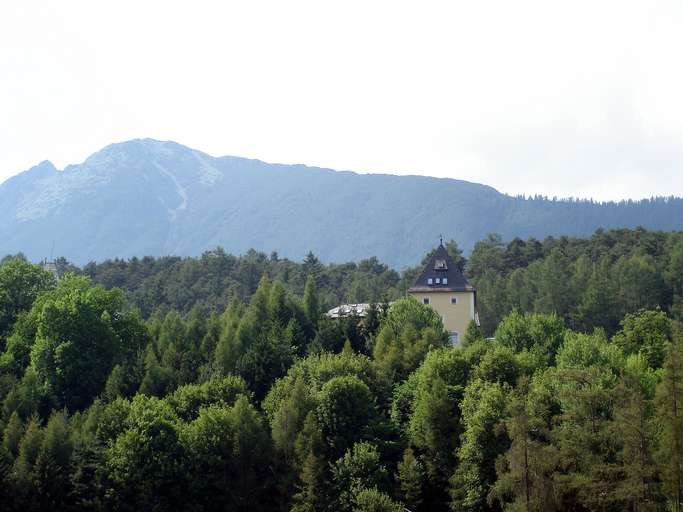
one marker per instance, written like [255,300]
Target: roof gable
[440,266]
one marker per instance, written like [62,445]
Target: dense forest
[589,282]
[217,383]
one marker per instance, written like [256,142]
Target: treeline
[269,405]
[589,282]
[215,278]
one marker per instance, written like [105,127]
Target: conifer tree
[289,418]
[13,434]
[311,305]
[633,427]
[473,334]
[29,449]
[524,472]
[54,462]
[228,348]
[373,500]
[410,477]
[360,468]
[309,498]
[483,408]
[670,416]
[433,429]
[597,305]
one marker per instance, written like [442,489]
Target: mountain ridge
[149,197]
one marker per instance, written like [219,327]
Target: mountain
[148,197]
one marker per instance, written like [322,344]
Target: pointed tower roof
[441,274]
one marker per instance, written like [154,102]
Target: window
[453,337]
[454,300]
[438,281]
[444,280]
[440,265]
[430,281]
[425,300]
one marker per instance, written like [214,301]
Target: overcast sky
[567,98]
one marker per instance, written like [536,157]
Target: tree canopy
[567,399]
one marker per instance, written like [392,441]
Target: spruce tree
[633,426]
[524,472]
[670,416]
[311,305]
[12,435]
[410,478]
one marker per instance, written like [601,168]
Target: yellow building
[443,287]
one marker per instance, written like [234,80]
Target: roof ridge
[441,273]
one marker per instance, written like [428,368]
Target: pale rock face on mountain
[148,197]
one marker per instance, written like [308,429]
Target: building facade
[442,286]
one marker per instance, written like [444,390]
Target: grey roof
[343,310]
[441,266]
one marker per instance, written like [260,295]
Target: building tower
[51,267]
[442,286]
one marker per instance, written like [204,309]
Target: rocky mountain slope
[148,197]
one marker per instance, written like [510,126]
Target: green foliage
[188,400]
[266,404]
[498,364]
[524,472]
[29,450]
[144,463]
[311,306]
[359,468]
[670,416]
[585,350]
[54,462]
[289,418]
[372,500]
[483,407]
[316,370]
[410,478]
[225,445]
[472,335]
[646,333]
[409,311]
[590,283]
[531,332]
[216,278]
[433,420]
[345,408]
[398,356]
[20,285]
[14,430]
[633,424]
[81,333]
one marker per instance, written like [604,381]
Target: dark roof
[441,265]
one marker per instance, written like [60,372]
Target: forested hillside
[217,383]
[590,282]
[149,197]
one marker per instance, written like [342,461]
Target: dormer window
[430,280]
[440,265]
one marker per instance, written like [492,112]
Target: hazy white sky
[580,98]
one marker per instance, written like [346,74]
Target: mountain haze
[148,197]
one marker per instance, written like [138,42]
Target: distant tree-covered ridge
[148,197]
[265,404]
